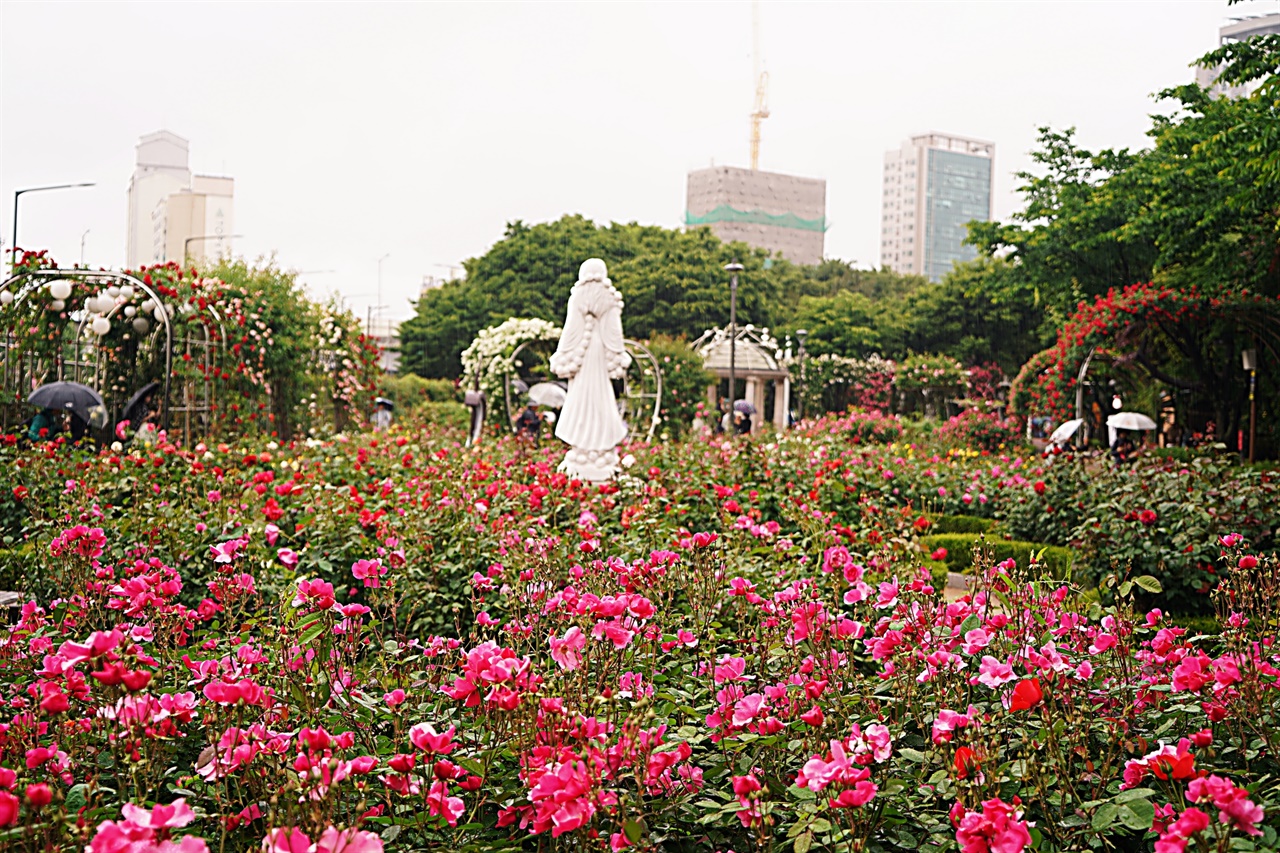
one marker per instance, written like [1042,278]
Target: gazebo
[756,360]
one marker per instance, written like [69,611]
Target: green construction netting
[725,213]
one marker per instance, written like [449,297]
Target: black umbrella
[136,401]
[69,396]
[744,407]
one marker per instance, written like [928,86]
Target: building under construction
[767,210]
[778,213]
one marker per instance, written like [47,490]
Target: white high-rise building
[934,185]
[174,215]
[161,171]
[1240,29]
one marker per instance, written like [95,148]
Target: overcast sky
[419,129]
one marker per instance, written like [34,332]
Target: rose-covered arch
[207,345]
[1184,338]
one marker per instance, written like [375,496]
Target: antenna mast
[761,110]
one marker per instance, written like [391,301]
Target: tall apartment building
[934,185]
[1241,29]
[767,210]
[173,214]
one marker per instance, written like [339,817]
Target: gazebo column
[755,396]
[781,402]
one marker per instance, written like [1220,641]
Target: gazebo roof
[755,353]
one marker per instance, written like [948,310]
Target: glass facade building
[957,191]
[934,186]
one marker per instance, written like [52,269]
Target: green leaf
[1135,793]
[804,842]
[1149,583]
[631,830]
[1138,814]
[315,630]
[912,754]
[1105,816]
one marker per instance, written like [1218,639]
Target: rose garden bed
[403,644]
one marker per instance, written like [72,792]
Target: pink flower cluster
[143,831]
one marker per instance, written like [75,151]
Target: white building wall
[161,170]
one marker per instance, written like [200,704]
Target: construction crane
[761,111]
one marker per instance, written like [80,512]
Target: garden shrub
[408,391]
[980,430]
[872,427]
[684,383]
[1160,518]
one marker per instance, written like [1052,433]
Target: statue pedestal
[593,465]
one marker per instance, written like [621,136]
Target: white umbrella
[1063,434]
[547,394]
[1130,420]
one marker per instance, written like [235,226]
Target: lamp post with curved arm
[13,248]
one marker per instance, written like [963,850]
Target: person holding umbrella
[80,401]
[742,412]
[43,425]
[382,414]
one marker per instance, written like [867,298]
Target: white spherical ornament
[159,313]
[129,310]
[99,304]
[57,305]
[140,325]
[147,304]
[5,297]
[101,325]
[113,291]
[60,289]
[126,292]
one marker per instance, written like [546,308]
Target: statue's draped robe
[591,352]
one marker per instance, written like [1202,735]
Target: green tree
[981,311]
[673,282]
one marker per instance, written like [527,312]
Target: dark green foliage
[684,382]
[961,524]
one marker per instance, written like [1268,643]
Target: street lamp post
[82,239]
[1250,359]
[801,334]
[733,269]
[18,194]
[186,244]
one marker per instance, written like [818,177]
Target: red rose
[1026,695]
[20,493]
[1039,487]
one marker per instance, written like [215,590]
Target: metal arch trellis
[636,395]
[15,366]
[198,398]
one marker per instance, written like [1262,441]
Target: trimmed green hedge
[960,547]
[961,524]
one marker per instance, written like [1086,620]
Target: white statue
[590,354]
